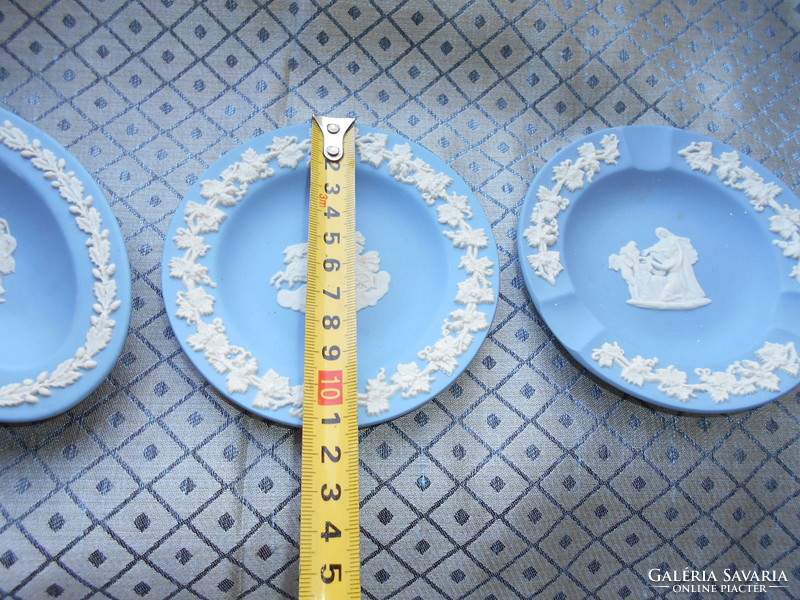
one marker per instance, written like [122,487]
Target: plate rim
[605,158]
[292,145]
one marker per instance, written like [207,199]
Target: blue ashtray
[667,264]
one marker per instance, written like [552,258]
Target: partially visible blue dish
[64,277]
[618,221]
[234,269]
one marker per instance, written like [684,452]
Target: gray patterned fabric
[528,476]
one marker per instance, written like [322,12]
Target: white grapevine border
[786,220]
[273,390]
[543,231]
[89,221]
[743,377]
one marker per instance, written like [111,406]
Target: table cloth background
[527,476]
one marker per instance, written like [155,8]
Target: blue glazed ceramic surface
[229,258]
[624,189]
[64,276]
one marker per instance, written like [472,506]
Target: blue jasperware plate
[64,277]
[667,264]
[235,271]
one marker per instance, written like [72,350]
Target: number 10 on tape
[329,520]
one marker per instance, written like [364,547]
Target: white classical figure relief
[7,246]
[372,284]
[662,276]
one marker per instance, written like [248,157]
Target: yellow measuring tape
[329,520]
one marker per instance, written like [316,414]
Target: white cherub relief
[7,246]
[296,259]
[372,284]
[661,276]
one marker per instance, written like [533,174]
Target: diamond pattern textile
[527,477]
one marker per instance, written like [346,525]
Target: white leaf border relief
[273,390]
[543,231]
[743,377]
[89,221]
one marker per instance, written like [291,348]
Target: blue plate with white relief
[235,273]
[667,264]
[64,277]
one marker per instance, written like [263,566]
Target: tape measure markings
[329,527]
